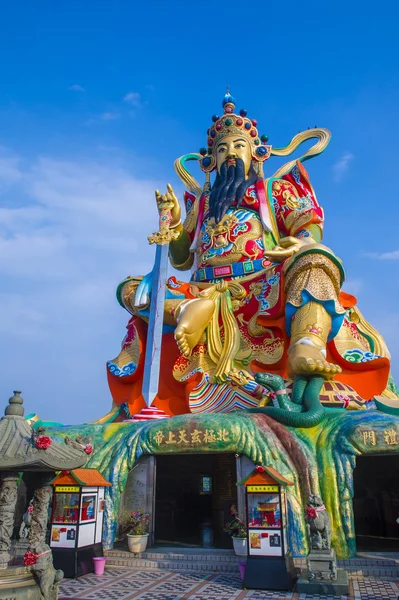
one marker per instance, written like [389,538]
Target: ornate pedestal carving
[322,566]
[18,583]
[47,577]
[8,500]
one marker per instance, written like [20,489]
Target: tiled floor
[119,583]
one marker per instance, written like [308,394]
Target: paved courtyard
[120,583]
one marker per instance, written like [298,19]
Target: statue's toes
[183,346]
[310,364]
[179,334]
[185,349]
[322,366]
[334,370]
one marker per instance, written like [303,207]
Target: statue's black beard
[230,186]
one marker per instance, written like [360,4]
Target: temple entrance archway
[193,498]
[187,496]
[376,502]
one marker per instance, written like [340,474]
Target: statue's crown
[229,124]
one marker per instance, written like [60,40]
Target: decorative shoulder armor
[295,202]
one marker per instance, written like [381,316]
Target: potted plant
[238,531]
[135,525]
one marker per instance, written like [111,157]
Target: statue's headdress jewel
[230,124]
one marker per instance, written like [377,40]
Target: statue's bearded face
[232,147]
[235,173]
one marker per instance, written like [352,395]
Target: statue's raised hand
[168,203]
[169,218]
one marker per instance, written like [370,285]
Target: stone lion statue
[47,577]
[318,524]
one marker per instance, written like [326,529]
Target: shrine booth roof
[268,475]
[82,477]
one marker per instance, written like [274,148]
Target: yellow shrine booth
[77,520]
[269,563]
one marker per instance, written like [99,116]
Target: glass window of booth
[89,504]
[66,508]
[264,511]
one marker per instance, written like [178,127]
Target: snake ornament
[303,410]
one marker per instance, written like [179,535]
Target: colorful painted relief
[318,460]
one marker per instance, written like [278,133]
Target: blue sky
[97,99]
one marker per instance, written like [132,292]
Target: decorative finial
[15,408]
[228,102]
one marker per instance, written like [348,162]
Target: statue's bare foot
[192,318]
[309,360]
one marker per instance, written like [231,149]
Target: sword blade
[152,362]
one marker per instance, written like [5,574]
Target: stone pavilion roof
[18,450]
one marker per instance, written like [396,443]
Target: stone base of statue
[321,565]
[338,587]
[18,583]
[322,576]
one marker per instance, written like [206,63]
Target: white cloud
[18,318]
[341,166]
[9,168]
[133,98]
[79,227]
[394,255]
[76,88]
[109,116]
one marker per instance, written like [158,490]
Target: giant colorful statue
[264,300]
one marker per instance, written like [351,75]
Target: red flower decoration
[311,513]
[30,510]
[259,469]
[43,442]
[88,448]
[30,559]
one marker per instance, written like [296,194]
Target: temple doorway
[376,502]
[194,494]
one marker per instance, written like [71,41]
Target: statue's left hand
[169,202]
[287,247]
